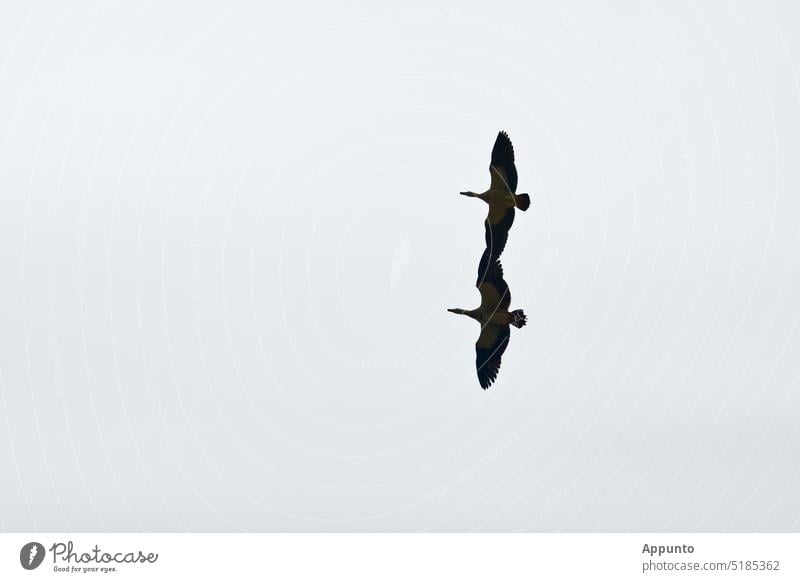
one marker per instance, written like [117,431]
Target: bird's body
[494,317]
[501,195]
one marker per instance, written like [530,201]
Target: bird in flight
[494,317]
[501,195]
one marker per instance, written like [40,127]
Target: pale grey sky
[230,234]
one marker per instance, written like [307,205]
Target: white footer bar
[406,557]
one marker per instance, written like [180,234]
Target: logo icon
[31,555]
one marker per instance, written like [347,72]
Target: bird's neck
[473,313]
[485,196]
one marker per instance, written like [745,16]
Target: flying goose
[494,317]
[501,196]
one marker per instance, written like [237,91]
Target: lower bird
[494,317]
[501,196]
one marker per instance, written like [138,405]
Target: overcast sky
[230,234]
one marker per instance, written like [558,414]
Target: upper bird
[494,317]
[501,195]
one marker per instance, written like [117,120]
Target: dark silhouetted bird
[501,195]
[494,317]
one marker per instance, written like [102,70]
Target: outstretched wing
[494,290]
[502,168]
[497,226]
[489,351]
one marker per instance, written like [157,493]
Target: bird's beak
[453,310]
[464,193]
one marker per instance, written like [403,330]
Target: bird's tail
[518,318]
[523,201]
